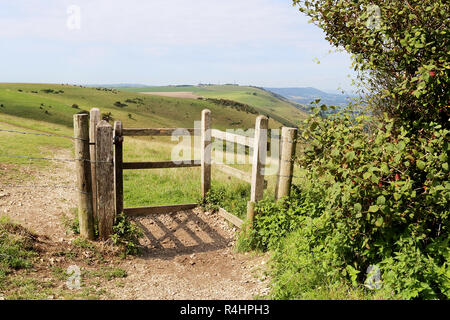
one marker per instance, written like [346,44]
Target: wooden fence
[103,176]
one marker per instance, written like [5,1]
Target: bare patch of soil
[186,255]
[190,255]
[180,94]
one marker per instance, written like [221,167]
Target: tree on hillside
[400,49]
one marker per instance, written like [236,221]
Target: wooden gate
[258,143]
[119,166]
[107,167]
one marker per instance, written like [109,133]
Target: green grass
[16,248]
[263,101]
[149,111]
[21,111]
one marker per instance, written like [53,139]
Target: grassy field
[23,107]
[262,100]
[34,101]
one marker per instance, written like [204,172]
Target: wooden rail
[230,217]
[167,132]
[232,137]
[159,165]
[247,177]
[107,175]
[239,174]
[158,209]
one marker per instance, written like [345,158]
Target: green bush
[375,195]
[234,199]
[386,197]
[126,234]
[274,220]
[399,48]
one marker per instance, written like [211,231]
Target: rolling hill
[263,101]
[306,95]
[57,103]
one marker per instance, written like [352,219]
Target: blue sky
[156,42]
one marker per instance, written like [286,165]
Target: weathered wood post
[94,118]
[105,179]
[250,214]
[259,158]
[84,179]
[206,151]
[288,142]
[118,167]
[258,162]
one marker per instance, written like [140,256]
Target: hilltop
[263,101]
[56,104]
[306,95]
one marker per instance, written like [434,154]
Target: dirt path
[187,255]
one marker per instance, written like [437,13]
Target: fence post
[288,143]
[84,179]
[105,179]
[93,120]
[259,158]
[118,168]
[206,151]
[250,214]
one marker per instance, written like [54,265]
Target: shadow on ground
[169,235]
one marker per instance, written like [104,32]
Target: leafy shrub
[400,52]
[234,199]
[107,116]
[274,220]
[233,104]
[126,234]
[120,104]
[387,197]
[375,195]
[72,224]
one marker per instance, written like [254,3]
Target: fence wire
[52,159]
[43,134]
[45,158]
[4,186]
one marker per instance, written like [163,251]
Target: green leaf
[379,222]
[381,200]
[373,208]
[358,207]
[420,164]
[367,175]
[350,156]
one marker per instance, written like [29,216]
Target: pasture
[44,108]
[263,101]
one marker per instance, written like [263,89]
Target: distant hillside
[117,85]
[57,104]
[306,95]
[264,102]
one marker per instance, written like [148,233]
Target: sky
[265,43]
